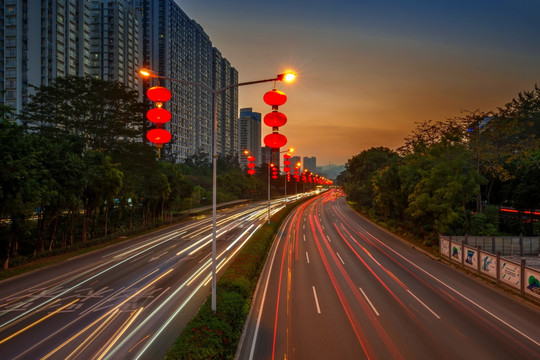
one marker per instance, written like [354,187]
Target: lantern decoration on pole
[158,116]
[274,172]
[251,164]
[287,165]
[275,119]
[295,172]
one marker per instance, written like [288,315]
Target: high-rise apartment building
[111,39]
[249,129]
[115,42]
[41,40]
[224,75]
[175,46]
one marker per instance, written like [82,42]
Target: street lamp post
[288,76]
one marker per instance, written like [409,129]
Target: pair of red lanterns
[158,116]
[275,119]
[251,164]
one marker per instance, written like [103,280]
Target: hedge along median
[215,335]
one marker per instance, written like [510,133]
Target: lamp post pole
[281,77]
[269,168]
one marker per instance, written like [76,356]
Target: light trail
[120,332]
[39,321]
[107,314]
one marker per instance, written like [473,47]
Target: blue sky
[368,70]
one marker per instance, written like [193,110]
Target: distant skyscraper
[266,155]
[310,163]
[177,47]
[295,160]
[249,129]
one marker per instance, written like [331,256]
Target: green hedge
[215,335]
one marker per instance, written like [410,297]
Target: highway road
[127,301]
[335,286]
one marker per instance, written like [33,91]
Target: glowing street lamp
[286,76]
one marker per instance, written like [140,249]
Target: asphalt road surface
[127,301]
[336,286]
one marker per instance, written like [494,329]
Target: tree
[361,170]
[20,177]
[102,182]
[103,114]
[390,197]
[440,197]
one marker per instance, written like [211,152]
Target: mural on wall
[532,282]
[471,258]
[456,252]
[488,264]
[510,273]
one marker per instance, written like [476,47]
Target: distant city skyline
[369,71]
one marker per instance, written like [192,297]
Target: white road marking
[427,307]
[304,237]
[328,238]
[316,300]
[369,302]
[340,259]
[307,257]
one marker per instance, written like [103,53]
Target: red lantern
[251,165]
[251,158]
[274,177]
[158,115]
[275,119]
[286,163]
[158,94]
[275,98]
[158,136]
[287,156]
[275,140]
[251,171]
[287,169]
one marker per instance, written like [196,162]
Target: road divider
[212,335]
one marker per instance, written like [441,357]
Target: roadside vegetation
[74,172]
[454,176]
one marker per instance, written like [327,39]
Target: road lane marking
[304,237]
[307,257]
[427,307]
[328,238]
[369,302]
[316,300]
[449,287]
[39,321]
[340,259]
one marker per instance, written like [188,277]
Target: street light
[287,76]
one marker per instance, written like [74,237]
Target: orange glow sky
[368,72]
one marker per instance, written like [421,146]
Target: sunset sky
[368,70]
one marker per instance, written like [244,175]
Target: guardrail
[516,275]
